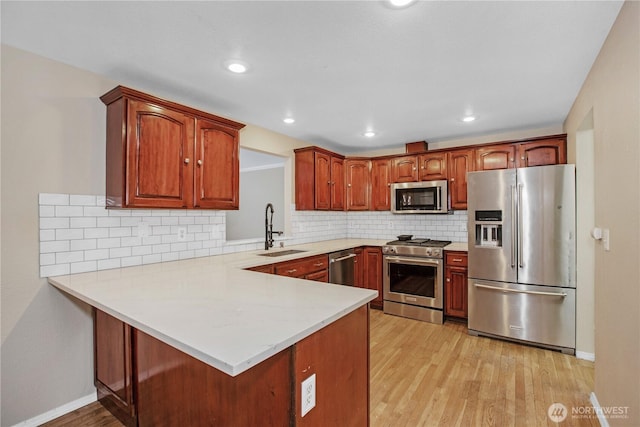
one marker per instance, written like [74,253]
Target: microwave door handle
[439,201]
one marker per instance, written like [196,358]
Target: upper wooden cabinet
[404,169]
[491,157]
[380,184]
[164,155]
[550,151]
[358,182]
[459,163]
[433,166]
[319,179]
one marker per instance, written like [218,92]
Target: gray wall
[257,188]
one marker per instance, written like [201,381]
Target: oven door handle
[414,261]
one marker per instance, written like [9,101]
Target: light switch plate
[308,397]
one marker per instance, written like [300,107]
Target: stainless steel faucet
[268,227]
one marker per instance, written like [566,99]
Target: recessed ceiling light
[369,134]
[236,67]
[468,119]
[289,120]
[400,3]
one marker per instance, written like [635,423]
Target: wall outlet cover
[308,398]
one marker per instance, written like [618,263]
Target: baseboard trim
[591,357]
[59,411]
[601,418]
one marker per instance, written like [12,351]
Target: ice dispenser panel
[488,228]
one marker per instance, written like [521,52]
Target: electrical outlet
[390,225]
[308,397]
[143,229]
[463,227]
[181,234]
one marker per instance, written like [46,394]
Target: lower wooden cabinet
[269,269]
[310,268]
[372,273]
[113,357]
[455,285]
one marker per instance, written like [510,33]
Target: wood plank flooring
[438,375]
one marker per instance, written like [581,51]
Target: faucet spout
[268,227]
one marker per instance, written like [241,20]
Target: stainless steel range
[413,278]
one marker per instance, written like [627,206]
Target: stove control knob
[436,252]
[428,251]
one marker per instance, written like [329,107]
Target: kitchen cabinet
[358,180]
[358,273]
[381,184]
[404,169]
[310,268]
[113,368]
[433,166]
[455,284]
[459,163]
[372,273]
[165,155]
[499,156]
[552,151]
[319,177]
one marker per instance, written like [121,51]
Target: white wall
[612,93]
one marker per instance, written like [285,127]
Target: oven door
[416,281]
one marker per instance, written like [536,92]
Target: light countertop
[214,310]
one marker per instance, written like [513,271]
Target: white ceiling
[338,67]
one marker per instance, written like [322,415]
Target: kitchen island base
[170,387]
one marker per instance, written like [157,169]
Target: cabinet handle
[186,161]
[291,271]
[318,264]
[199,162]
[457,260]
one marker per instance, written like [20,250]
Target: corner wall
[612,90]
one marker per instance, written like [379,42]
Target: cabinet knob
[186,161]
[199,162]
[448,280]
[453,179]
[348,185]
[414,168]
[389,185]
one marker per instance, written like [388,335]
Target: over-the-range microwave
[426,197]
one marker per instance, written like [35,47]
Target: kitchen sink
[282,253]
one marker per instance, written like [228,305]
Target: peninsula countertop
[213,310]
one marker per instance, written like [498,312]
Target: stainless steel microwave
[426,197]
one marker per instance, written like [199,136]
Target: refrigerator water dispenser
[488,228]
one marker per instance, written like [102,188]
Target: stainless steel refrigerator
[522,255]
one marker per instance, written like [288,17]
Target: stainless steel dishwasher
[342,267]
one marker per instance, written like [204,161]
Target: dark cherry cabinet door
[493,157]
[456,292]
[405,169]
[372,273]
[337,184]
[433,166]
[322,181]
[551,151]
[159,151]
[381,185]
[216,166]
[460,162]
[358,178]
[113,365]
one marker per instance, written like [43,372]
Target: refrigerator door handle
[517,291]
[520,229]
[513,226]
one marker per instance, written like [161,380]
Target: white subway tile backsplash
[53,199]
[78,234]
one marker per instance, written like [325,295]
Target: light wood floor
[438,375]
